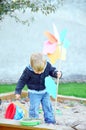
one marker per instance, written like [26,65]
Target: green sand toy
[30,122]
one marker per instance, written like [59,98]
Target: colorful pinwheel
[55,48]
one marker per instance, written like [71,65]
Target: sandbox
[70,114]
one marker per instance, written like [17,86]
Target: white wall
[18,41]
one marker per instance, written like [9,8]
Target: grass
[5,88]
[73,89]
[68,89]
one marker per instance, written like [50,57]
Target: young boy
[34,77]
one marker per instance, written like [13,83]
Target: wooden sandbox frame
[7,124]
[24,94]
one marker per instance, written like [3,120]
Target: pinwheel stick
[57,86]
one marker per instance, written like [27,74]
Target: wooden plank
[11,95]
[24,94]
[14,127]
[7,124]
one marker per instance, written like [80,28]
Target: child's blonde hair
[37,62]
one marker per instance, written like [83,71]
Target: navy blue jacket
[35,81]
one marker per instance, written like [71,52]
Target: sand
[70,115]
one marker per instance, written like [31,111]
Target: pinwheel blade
[56,33]
[55,56]
[51,86]
[63,34]
[51,37]
[66,43]
[49,48]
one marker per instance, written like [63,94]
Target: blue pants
[44,99]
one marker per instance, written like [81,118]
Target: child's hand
[59,74]
[17,96]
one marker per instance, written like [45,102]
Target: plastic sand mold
[30,122]
[58,112]
[10,111]
[19,113]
